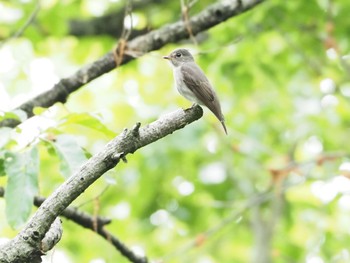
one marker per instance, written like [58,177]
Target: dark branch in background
[97,224]
[211,16]
[106,25]
[93,223]
[110,24]
[123,249]
[26,244]
[79,217]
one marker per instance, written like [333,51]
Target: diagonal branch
[26,244]
[209,17]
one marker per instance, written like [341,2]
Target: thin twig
[185,8]
[27,23]
[126,32]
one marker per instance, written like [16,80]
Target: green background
[273,190]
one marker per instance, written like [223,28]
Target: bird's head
[179,56]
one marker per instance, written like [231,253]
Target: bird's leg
[193,105]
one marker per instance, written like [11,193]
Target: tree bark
[26,246]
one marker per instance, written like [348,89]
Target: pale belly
[182,88]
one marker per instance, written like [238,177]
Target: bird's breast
[182,87]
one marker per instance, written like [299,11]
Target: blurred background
[274,190]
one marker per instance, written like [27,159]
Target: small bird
[192,83]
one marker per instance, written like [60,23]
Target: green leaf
[89,121]
[5,136]
[22,185]
[70,153]
[2,164]
[39,110]
[19,115]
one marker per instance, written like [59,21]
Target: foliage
[271,190]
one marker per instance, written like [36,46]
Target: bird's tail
[223,125]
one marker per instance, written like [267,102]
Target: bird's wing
[197,82]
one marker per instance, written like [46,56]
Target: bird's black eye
[178,54]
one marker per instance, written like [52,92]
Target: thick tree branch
[27,242]
[211,16]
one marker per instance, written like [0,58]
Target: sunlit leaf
[22,170]
[89,121]
[71,155]
[5,135]
[19,115]
[39,110]
[2,163]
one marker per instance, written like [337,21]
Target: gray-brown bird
[192,83]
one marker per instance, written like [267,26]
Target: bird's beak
[166,57]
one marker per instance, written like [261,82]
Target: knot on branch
[119,156]
[136,129]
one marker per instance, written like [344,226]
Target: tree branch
[81,218]
[93,223]
[27,243]
[112,23]
[96,224]
[211,16]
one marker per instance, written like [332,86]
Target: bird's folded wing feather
[197,82]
